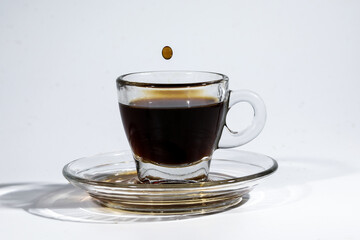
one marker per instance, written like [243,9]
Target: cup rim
[121,80]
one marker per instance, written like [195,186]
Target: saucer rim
[244,179]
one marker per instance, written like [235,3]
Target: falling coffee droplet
[167,52]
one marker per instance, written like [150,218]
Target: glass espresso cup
[175,120]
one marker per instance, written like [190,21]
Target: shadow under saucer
[67,203]
[64,202]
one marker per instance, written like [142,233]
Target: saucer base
[174,202]
[196,207]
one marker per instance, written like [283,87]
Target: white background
[58,65]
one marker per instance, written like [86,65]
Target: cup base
[152,173]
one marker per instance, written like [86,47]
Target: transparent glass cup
[175,120]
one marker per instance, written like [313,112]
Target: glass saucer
[111,180]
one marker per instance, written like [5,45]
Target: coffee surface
[173,131]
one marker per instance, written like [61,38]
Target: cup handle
[230,138]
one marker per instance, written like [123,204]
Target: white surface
[58,65]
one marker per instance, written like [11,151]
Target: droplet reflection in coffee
[167,52]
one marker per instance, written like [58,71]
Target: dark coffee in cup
[173,131]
